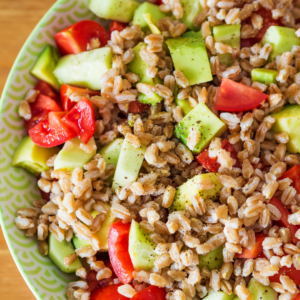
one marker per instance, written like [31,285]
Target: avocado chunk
[138,66]
[265,76]
[281,38]
[213,260]
[84,69]
[229,35]
[259,291]
[288,120]
[183,103]
[111,152]
[191,8]
[187,190]
[193,34]
[72,156]
[129,164]
[202,119]
[45,65]
[219,296]
[32,157]
[190,57]
[145,8]
[141,248]
[59,250]
[102,233]
[119,10]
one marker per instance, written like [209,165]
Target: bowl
[17,187]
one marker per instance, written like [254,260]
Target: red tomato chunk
[237,97]
[255,251]
[77,37]
[108,293]
[118,241]
[150,293]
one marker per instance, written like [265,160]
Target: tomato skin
[67,90]
[52,131]
[45,89]
[150,293]
[237,97]
[118,241]
[291,272]
[75,38]
[210,163]
[137,107]
[293,173]
[81,120]
[40,109]
[267,22]
[116,25]
[108,293]
[284,218]
[256,250]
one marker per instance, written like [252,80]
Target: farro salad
[167,151]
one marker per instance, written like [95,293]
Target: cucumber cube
[84,69]
[191,8]
[265,76]
[145,8]
[202,119]
[119,10]
[45,65]
[281,38]
[190,57]
[229,35]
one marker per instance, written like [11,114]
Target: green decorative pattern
[17,187]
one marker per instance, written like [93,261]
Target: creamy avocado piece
[145,8]
[187,190]
[139,67]
[32,157]
[288,120]
[102,233]
[202,119]
[111,152]
[119,10]
[45,65]
[265,76]
[141,248]
[281,38]
[129,164]
[71,155]
[191,8]
[190,57]
[219,296]
[213,260]
[59,250]
[84,69]
[229,35]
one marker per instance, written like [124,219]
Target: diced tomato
[52,131]
[108,293]
[45,89]
[291,272]
[237,97]
[211,164]
[118,241]
[40,109]
[76,38]
[137,107]
[296,185]
[267,22]
[150,293]
[284,218]
[81,120]
[67,90]
[115,25]
[256,250]
[297,297]
[293,173]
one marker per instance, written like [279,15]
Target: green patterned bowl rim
[60,15]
